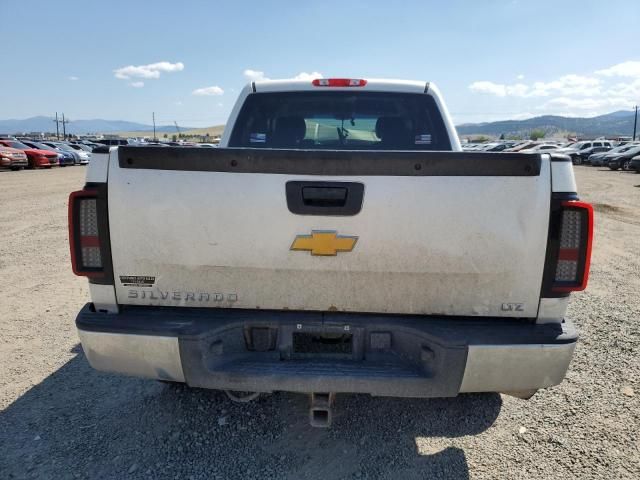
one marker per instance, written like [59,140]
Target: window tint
[340,120]
[15,144]
[597,144]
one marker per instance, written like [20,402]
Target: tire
[577,160]
[15,169]
[626,165]
[614,168]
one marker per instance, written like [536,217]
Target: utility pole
[57,127]
[64,127]
[635,123]
[154,126]
[177,128]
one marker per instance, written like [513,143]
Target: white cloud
[624,69]
[601,91]
[137,84]
[307,76]
[630,90]
[499,90]
[565,85]
[254,75]
[152,70]
[483,86]
[257,75]
[208,91]
[585,103]
[73,78]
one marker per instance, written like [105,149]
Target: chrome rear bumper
[400,356]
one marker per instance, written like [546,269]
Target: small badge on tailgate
[137,280]
[324,243]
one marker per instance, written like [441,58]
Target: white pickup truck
[337,241]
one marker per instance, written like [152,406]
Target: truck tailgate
[437,232]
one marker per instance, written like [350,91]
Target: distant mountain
[618,123]
[47,124]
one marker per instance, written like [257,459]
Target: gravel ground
[61,419]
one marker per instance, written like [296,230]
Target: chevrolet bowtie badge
[324,243]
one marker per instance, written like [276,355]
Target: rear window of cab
[340,120]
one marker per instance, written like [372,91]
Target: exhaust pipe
[320,409]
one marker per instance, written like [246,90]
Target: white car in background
[541,148]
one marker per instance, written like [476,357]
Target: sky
[186,61]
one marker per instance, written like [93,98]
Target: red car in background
[12,158]
[37,158]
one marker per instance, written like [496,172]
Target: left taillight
[87,254]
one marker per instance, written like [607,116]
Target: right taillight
[84,234]
[572,245]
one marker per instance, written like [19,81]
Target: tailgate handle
[324,198]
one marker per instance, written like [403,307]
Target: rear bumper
[401,356]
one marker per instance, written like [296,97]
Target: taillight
[572,244]
[339,82]
[87,257]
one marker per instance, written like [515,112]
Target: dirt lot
[61,419]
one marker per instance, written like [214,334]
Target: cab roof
[360,84]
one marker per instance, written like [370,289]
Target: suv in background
[581,150]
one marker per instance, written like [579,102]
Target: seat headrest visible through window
[393,131]
[288,131]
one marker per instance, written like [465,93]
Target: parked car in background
[582,156]
[541,148]
[623,160]
[13,158]
[82,150]
[80,146]
[578,150]
[635,164]
[602,159]
[521,146]
[499,147]
[64,158]
[80,157]
[36,158]
[89,144]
